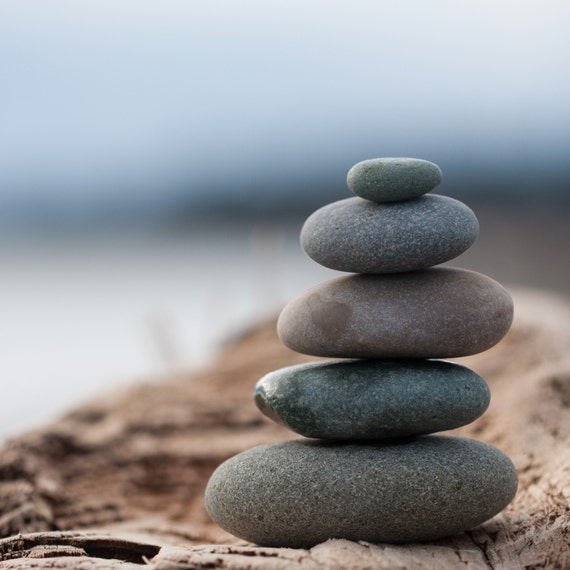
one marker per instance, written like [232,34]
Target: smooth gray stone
[372,399]
[439,312]
[300,493]
[393,179]
[360,236]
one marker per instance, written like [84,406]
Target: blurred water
[83,313]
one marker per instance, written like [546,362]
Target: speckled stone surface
[360,236]
[372,399]
[299,493]
[432,313]
[393,179]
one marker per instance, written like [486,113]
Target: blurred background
[158,158]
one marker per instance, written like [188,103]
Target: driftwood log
[118,482]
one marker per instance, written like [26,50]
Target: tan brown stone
[434,313]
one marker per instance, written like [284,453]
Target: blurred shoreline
[522,241]
[86,311]
[522,244]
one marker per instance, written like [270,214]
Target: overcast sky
[142,101]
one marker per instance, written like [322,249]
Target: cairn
[368,467]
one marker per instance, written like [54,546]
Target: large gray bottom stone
[300,493]
[433,313]
[360,236]
[372,399]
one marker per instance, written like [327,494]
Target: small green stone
[393,179]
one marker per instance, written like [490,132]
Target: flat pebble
[300,493]
[393,179]
[360,236]
[372,399]
[439,312]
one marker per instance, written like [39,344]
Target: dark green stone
[368,399]
[300,493]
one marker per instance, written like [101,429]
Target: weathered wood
[119,481]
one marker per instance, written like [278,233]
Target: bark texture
[119,481]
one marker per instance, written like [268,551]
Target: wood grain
[119,481]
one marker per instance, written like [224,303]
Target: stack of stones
[370,471]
